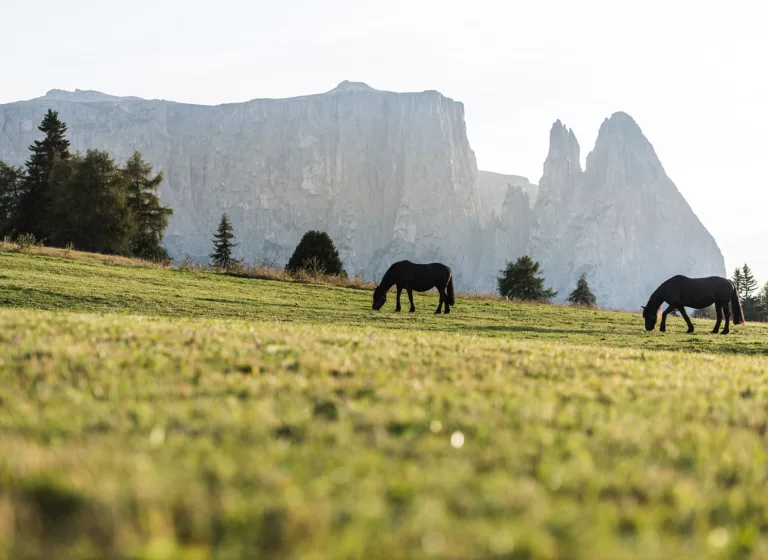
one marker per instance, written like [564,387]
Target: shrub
[316,255]
[25,241]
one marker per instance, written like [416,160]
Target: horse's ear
[642,306]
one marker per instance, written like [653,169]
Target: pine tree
[520,280]
[582,295]
[11,192]
[316,253]
[89,206]
[738,282]
[748,282]
[149,217]
[34,205]
[222,245]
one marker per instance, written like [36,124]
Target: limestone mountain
[391,176]
[386,175]
[621,221]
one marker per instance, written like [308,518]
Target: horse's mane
[652,307]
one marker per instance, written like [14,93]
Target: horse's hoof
[725,332]
[689,331]
[714,331]
[397,310]
[446,312]
[412,310]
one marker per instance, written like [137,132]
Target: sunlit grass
[158,413]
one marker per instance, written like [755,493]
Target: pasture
[153,413]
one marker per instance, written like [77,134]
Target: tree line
[83,201]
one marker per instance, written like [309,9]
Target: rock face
[386,175]
[621,221]
[493,189]
[391,176]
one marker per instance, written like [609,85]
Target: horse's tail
[738,313]
[449,290]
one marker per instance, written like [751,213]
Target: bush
[25,241]
[316,255]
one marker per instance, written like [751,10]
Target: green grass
[158,413]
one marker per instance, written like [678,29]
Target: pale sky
[692,74]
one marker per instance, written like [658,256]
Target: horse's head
[379,298]
[650,317]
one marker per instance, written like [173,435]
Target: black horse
[681,292]
[420,277]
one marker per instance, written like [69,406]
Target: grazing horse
[409,276]
[681,292]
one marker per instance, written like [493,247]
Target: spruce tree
[520,280]
[33,210]
[738,282]
[748,282]
[11,192]
[149,216]
[316,253]
[102,225]
[582,295]
[222,244]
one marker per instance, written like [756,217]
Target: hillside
[161,413]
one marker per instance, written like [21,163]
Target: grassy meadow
[159,413]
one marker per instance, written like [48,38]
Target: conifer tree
[520,280]
[222,244]
[738,281]
[582,295]
[149,216]
[104,224]
[11,191]
[316,253]
[748,282]
[34,205]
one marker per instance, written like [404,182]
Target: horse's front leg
[410,298]
[687,319]
[399,290]
[663,326]
[719,311]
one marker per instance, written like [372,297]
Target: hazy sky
[692,74]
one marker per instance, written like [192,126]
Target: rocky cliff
[392,176]
[621,221]
[387,175]
[494,188]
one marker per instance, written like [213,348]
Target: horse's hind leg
[399,290]
[727,311]
[444,295]
[687,319]
[410,298]
[719,311]
[440,305]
